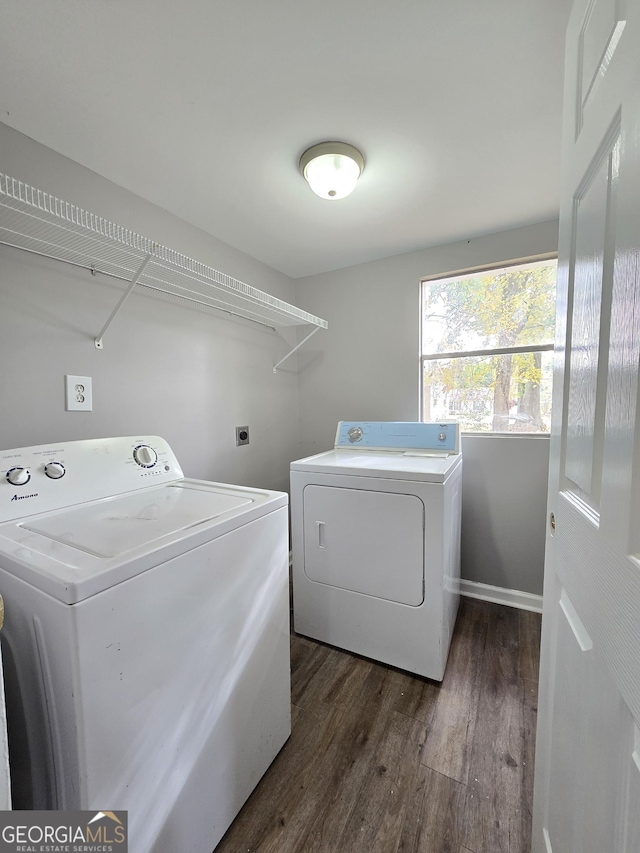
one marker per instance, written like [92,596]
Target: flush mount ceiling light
[332,169]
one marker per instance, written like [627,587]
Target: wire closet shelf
[38,222]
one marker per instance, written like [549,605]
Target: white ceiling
[205,106]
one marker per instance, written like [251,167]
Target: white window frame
[482,352]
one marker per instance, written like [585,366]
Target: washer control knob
[145,456]
[355,434]
[18,476]
[443,436]
[54,470]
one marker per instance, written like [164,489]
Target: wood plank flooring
[380,761]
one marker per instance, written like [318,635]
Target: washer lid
[411,465]
[77,552]
[115,526]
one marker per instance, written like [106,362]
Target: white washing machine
[146,637]
[376,542]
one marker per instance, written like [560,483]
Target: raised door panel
[592,730]
[632,798]
[601,30]
[588,329]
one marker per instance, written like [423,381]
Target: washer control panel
[402,437]
[54,476]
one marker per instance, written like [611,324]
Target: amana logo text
[24,497]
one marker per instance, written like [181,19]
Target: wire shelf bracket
[37,222]
[295,349]
[123,299]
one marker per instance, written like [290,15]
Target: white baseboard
[500,595]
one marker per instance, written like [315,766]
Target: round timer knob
[355,434]
[54,470]
[145,456]
[18,476]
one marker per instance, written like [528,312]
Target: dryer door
[364,541]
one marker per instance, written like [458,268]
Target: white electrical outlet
[79,396]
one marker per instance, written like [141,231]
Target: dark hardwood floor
[380,761]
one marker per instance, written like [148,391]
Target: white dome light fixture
[332,169]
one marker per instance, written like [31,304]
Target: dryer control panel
[402,437]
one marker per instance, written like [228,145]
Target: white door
[587,775]
[5,782]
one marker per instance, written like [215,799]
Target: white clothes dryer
[376,542]
[146,637]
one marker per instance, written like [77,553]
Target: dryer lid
[382,464]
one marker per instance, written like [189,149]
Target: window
[487,341]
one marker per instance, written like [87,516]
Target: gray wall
[366,366]
[165,368]
[504,499]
